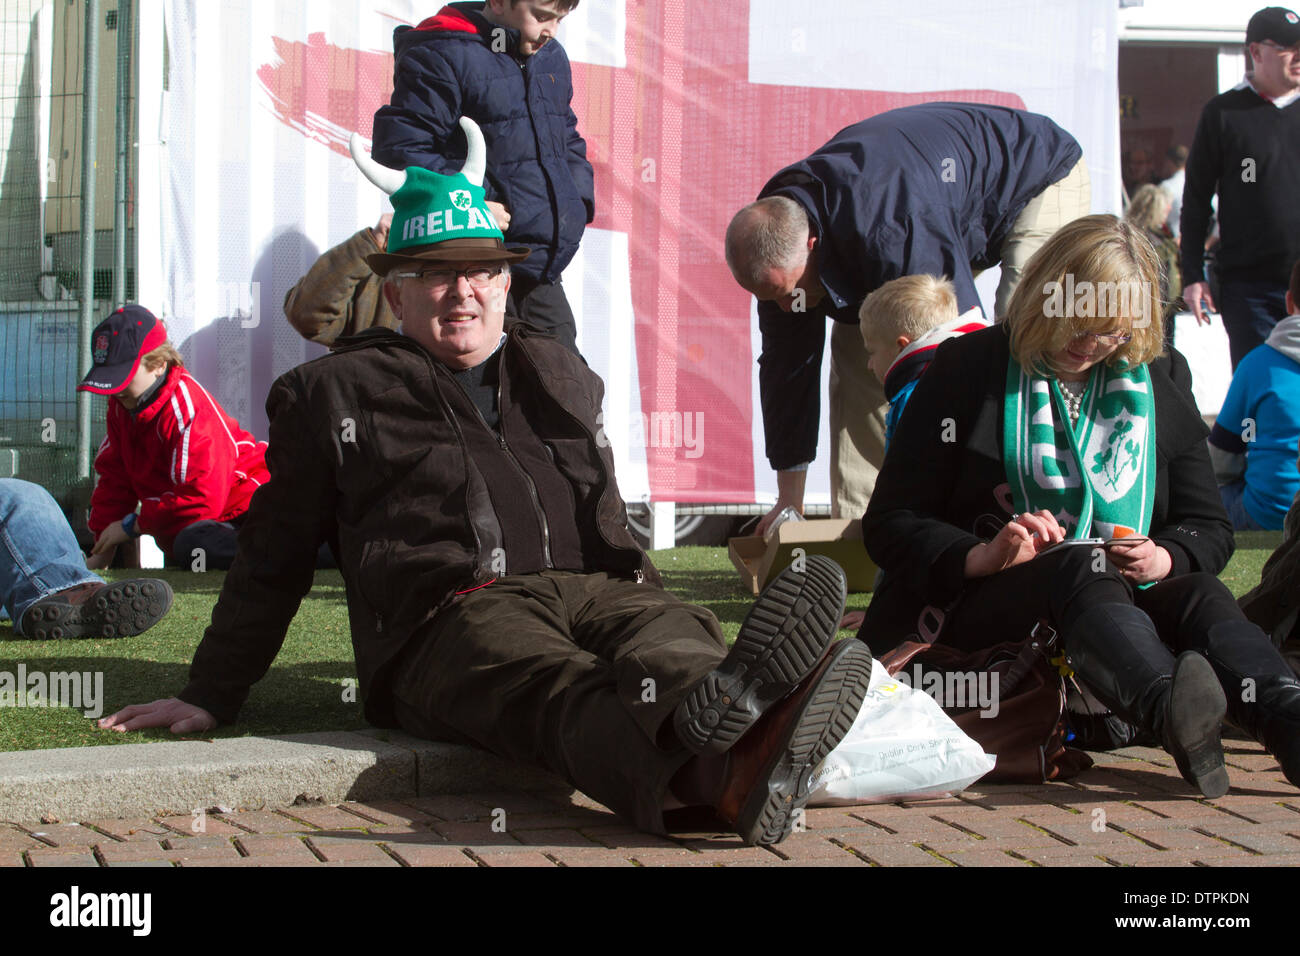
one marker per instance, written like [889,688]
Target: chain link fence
[46,146]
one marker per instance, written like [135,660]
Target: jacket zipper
[532,485]
[505,447]
[550,185]
[639,573]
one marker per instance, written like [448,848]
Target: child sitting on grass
[902,323]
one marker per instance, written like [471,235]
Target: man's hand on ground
[178,716]
[1193,295]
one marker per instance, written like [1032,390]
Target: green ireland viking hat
[437,218]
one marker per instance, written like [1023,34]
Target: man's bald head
[771,233]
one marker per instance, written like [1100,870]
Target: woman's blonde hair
[164,354]
[1149,207]
[1097,274]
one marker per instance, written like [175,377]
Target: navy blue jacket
[537,165]
[932,188]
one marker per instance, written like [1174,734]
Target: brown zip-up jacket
[367,451]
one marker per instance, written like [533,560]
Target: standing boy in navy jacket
[498,63]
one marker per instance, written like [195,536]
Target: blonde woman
[1066,421]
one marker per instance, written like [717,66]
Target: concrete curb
[132,780]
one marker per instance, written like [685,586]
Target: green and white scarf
[1113,445]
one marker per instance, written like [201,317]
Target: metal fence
[66,232]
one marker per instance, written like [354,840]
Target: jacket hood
[1285,337]
[463,21]
[912,361]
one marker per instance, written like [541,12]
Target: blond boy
[902,323]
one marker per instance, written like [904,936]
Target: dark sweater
[1248,151]
[936,499]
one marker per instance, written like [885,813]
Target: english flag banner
[687,108]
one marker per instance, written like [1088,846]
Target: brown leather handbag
[1027,732]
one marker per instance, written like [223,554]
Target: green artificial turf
[307,687]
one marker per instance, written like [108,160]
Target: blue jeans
[1250,310]
[38,552]
[1231,496]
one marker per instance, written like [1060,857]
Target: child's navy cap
[116,347]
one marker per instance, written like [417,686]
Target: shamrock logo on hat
[461,199]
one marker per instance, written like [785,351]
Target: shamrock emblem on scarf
[1113,464]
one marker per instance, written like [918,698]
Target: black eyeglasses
[480,277]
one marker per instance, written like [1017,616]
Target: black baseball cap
[1278,24]
[116,347]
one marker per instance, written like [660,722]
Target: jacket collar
[467,18]
[916,357]
[377,337]
[161,398]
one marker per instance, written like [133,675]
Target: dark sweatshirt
[1248,151]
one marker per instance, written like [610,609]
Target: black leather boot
[1115,650]
[1263,694]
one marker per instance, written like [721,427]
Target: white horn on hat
[476,158]
[389,180]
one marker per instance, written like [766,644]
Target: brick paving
[1130,810]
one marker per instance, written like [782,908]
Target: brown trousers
[578,674]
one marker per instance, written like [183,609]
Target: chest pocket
[394,444]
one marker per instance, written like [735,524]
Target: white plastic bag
[902,745]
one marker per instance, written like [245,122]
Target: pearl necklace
[1073,399]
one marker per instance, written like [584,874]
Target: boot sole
[772,807]
[120,609]
[782,639]
[1196,711]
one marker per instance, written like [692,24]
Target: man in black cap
[1246,148]
[495,594]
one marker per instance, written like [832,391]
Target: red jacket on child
[182,457]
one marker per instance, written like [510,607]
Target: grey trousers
[578,674]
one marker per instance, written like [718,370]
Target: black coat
[936,499]
[369,447]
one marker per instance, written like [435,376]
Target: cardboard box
[840,539]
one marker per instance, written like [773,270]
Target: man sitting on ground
[495,594]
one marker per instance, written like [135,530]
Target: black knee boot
[1115,650]
[1263,694]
